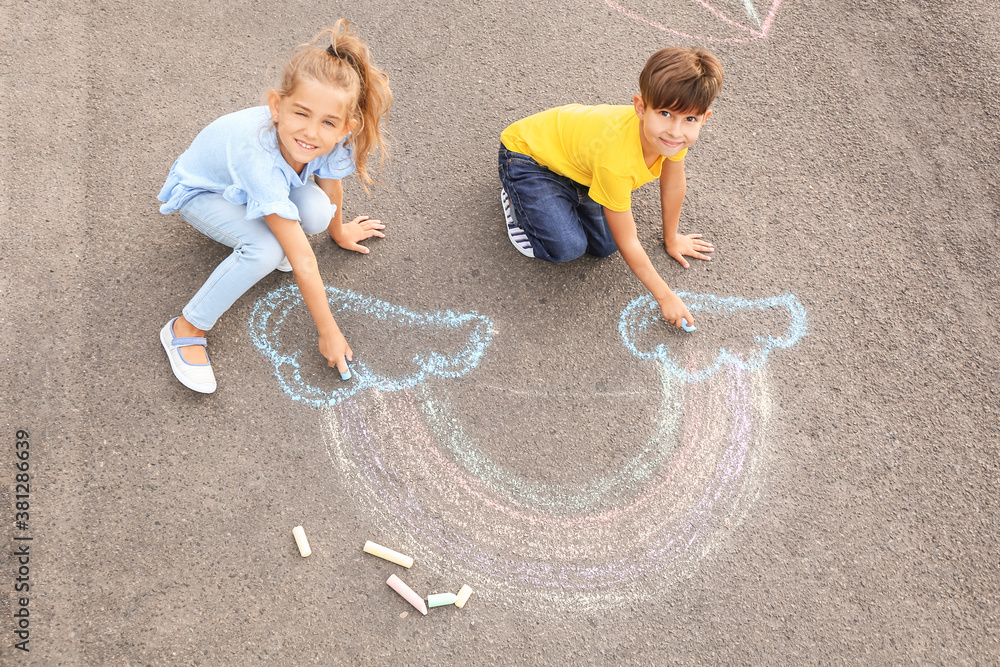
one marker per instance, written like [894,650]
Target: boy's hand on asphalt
[359,229]
[674,310]
[691,245]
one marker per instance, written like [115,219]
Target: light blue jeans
[256,251]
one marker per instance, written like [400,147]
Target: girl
[246,181]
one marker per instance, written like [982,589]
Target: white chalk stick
[300,540]
[388,554]
[397,585]
[463,596]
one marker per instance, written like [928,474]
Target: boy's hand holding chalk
[672,308]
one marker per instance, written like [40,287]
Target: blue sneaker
[515,233]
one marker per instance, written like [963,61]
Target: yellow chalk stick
[388,554]
[300,540]
[463,596]
[397,585]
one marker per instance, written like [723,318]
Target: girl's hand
[359,229]
[674,310]
[690,245]
[334,347]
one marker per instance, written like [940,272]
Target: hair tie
[343,56]
[350,61]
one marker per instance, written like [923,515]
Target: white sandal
[198,377]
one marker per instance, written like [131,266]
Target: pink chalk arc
[750,34]
[458,525]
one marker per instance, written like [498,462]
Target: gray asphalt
[852,161]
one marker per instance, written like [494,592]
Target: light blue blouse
[237,156]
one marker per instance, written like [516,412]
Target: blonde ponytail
[347,64]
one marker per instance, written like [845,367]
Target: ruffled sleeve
[259,181]
[172,192]
[338,163]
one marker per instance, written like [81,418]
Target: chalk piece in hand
[388,554]
[397,585]
[687,327]
[463,596]
[441,599]
[301,541]
[346,375]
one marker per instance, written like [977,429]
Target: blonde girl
[260,180]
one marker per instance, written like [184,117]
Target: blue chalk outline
[643,311]
[271,310]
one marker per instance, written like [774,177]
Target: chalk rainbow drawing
[756,24]
[403,453]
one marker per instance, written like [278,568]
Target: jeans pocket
[517,158]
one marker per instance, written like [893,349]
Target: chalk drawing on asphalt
[401,451]
[731,21]
[270,313]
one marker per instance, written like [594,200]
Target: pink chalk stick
[397,585]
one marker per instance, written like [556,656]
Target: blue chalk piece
[346,375]
[687,327]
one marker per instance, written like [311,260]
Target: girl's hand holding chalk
[337,352]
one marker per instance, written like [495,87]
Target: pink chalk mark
[477,489]
[542,574]
[753,34]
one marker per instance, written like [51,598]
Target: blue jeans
[256,251]
[561,220]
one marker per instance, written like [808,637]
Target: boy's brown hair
[681,80]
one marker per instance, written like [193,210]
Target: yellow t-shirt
[597,146]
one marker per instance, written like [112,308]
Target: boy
[568,173]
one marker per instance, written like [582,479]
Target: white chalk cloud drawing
[401,452]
